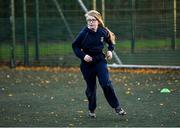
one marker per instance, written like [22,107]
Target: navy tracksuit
[92,43]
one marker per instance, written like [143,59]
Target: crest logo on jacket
[102,39]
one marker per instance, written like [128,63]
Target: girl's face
[92,23]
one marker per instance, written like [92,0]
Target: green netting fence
[40,32]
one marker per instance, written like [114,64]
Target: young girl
[88,46]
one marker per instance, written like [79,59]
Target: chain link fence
[40,32]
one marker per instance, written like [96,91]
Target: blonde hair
[98,16]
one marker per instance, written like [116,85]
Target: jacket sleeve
[110,45]
[76,46]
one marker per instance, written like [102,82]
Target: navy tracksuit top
[91,43]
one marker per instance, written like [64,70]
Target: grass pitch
[51,97]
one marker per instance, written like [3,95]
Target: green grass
[45,50]
[41,98]
[149,52]
[125,45]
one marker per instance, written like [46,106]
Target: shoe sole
[122,114]
[91,116]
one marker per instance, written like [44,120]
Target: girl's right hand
[109,55]
[88,58]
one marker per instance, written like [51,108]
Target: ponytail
[112,36]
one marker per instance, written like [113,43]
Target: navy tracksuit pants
[90,72]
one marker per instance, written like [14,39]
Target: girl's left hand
[109,55]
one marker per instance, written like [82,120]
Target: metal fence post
[173,41]
[26,49]
[37,32]
[133,23]
[13,46]
[94,4]
[103,10]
